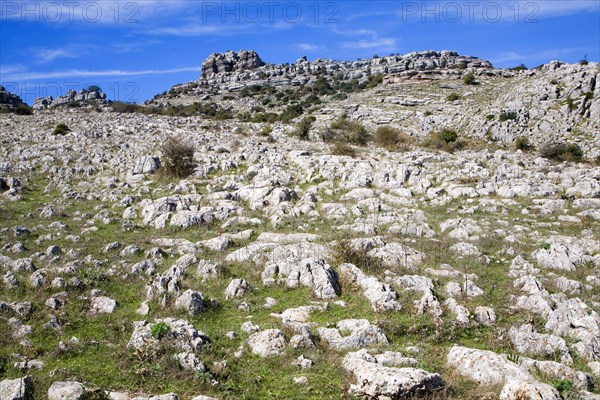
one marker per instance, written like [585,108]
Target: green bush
[266,130]
[446,139]
[343,149]
[469,79]
[61,129]
[520,67]
[522,143]
[160,330]
[302,130]
[23,109]
[349,131]
[93,88]
[375,80]
[507,115]
[177,158]
[597,161]
[562,152]
[563,385]
[391,138]
[453,96]
[572,104]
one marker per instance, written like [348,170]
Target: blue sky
[135,49]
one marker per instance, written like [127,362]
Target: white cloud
[199,29]
[308,47]
[46,55]
[539,56]
[373,43]
[78,73]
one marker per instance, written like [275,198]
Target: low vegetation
[61,129]
[445,139]
[562,152]
[177,158]
[391,138]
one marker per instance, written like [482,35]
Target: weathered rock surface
[378,378]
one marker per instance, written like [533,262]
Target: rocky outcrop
[82,97]
[231,61]
[9,100]
[388,376]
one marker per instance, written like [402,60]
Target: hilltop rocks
[82,97]
[9,100]
[231,61]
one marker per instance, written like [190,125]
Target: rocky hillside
[86,97]
[369,236]
[417,92]
[9,102]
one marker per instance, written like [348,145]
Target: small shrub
[554,82]
[177,158]
[507,115]
[572,104]
[61,129]
[160,330]
[522,143]
[23,109]
[597,161]
[302,130]
[490,117]
[520,67]
[343,252]
[94,88]
[391,138]
[469,79]
[563,385]
[545,246]
[446,139]
[375,80]
[343,149]
[453,96]
[562,152]
[347,131]
[584,61]
[266,130]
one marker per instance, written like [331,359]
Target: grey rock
[374,378]
[16,389]
[270,342]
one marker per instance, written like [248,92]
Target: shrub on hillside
[302,130]
[352,132]
[61,129]
[391,138]
[507,115]
[522,143]
[23,109]
[446,139]
[177,158]
[453,96]
[562,152]
[469,79]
